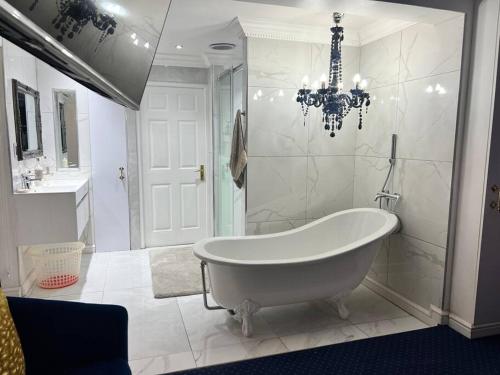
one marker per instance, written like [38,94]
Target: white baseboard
[430,317]
[434,315]
[460,325]
[483,330]
[473,331]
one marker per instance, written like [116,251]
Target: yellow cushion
[11,353]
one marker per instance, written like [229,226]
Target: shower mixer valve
[388,196]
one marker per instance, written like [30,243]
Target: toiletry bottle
[46,165]
[38,170]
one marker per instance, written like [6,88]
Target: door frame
[208,156]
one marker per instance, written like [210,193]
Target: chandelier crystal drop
[336,104]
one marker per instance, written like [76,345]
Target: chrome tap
[388,196]
[26,181]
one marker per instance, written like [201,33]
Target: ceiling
[195,24]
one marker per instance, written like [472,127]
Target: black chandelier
[336,103]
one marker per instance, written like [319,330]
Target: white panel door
[174,144]
[108,139]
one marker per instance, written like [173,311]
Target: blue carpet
[437,350]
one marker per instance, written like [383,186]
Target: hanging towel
[238,160]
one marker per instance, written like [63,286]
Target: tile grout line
[185,330]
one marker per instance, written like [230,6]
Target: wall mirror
[66,129]
[27,121]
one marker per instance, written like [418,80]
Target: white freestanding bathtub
[326,258]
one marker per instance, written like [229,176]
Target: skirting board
[473,331]
[430,317]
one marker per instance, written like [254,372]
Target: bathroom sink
[56,186]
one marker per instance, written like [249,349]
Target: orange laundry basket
[57,265]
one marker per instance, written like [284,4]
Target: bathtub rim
[391,225]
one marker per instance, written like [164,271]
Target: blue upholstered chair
[71,338]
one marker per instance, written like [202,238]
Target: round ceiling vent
[222,46]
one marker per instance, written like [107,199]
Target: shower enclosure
[229,201]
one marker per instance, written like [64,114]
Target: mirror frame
[18,87]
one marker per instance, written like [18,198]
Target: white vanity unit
[54,210]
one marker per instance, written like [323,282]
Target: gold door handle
[202,172]
[496,204]
[122,174]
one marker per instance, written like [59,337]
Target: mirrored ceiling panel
[107,45]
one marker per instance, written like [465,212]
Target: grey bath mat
[175,272]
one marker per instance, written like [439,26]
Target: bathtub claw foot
[342,308]
[244,313]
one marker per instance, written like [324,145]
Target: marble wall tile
[379,61]
[267,227]
[329,184]
[84,139]
[20,65]
[275,123]
[425,199]
[134,180]
[428,49]
[276,188]
[378,270]
[320,142]
[427,117]
[320,55]
[48,136]
[416,270]
[50,79]
[277,63]
[379,123]
[369,177]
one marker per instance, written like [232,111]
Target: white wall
[401,69]
[9,272]
[296,172]
[18,64]
[473,188]
[49,79]
[21,66]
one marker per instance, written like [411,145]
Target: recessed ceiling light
[222,46]
[179,46]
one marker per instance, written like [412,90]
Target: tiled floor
[178,333]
